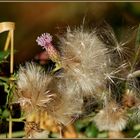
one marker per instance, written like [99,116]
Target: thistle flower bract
[45,41]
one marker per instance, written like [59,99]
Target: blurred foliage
[4,55]
[7,87]
[4,111]
[35,18]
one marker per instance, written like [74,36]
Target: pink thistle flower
[44,40]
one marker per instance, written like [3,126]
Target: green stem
[17,134]
[137,135]
[10,127]
[17,119]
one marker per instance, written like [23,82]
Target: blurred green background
[35,18]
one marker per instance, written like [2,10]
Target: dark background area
[34,18]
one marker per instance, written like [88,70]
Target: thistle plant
[97,77]
[45,41]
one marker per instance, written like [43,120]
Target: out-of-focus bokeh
[35,18]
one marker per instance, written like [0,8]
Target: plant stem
[15,134]
[137,135]
[12,52]
[7,41]
[10,125]
[17,119]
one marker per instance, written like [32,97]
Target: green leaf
[137,127]
[91,131]
[103,135]
[5,79]
[5,113]
[80,125]
[4,55]
[0,111]
[6,87]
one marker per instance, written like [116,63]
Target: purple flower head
[44,40]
